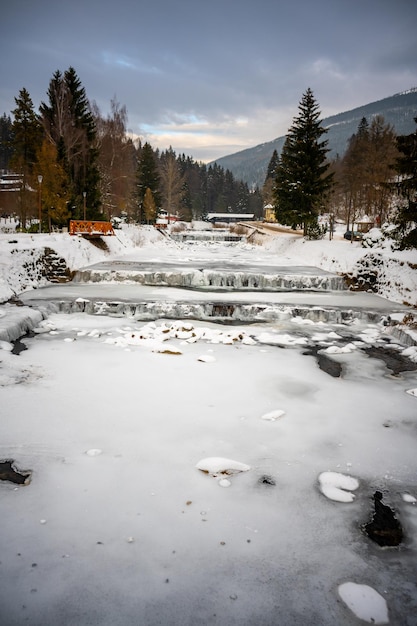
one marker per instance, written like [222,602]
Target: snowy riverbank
[20,254]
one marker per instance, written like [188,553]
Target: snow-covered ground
[185,472]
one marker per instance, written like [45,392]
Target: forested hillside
[250,165]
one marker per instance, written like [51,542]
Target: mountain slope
[250,165]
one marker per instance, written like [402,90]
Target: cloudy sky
[211,78]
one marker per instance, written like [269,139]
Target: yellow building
[269,213]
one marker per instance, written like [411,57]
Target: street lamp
[40,178]
[84,196]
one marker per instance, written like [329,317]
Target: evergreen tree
[27,133]
[147,177]
[268,186]
[302,182]
[6,141]
[407,169]
[70,126]
[172,182]
[27,136]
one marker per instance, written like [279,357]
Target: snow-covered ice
[120,524]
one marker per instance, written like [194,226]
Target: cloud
[215,81]
[122,61]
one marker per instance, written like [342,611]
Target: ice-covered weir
[144,303]
[233,278]
[219,282]
[218,234]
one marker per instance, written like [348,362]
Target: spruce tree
[147,177]
[6,138]
[268,186]
[302,183]
[27,133]
[407,211]
[27,136]
[272,166]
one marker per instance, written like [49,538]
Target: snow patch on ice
[281,340]
[366,603]
[407,497]
[349,347]
[206,358]
[338,487]
[219,465]
[94,452]
[273,416]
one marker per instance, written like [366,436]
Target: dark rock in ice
[267,480]
[393,360]
[384,528]
[18,346]
[9,473]
[325,363]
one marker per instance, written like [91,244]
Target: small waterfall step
[214,276]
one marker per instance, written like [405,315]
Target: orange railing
[89,228]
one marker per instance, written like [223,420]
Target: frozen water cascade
[195,236]
[213,311]
[214,278]
[218,281]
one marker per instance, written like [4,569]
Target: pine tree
[302,182]
[268,186]
[27,132]
[407,187]
[172,182]
[147,177]
[6,141]
[27,136]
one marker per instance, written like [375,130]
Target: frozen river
[188,472]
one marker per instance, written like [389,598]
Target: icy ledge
[17,321]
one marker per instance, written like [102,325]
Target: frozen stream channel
[187,472]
